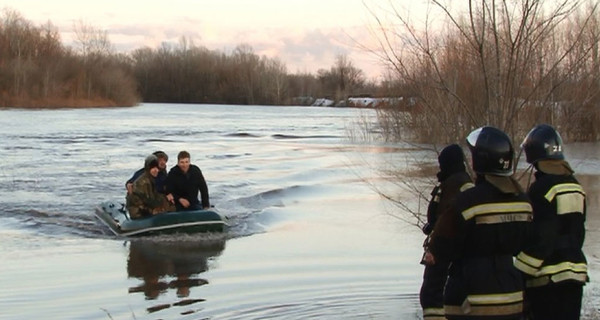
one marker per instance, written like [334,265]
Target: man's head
[183,161]
[451,161]
[151,165]
[162,159]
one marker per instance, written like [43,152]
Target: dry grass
[60,103]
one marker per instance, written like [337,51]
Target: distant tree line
[36,70]
[188,73]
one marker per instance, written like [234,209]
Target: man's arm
[203,190]
[129,183]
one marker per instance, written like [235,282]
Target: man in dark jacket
[487,226]
[160,180]
[453,179]
[554,264]
[183,183]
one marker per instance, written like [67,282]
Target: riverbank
[58,103]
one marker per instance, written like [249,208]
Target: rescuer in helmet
[487,225]
[554,264]
[452,179]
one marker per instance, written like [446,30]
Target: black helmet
[491,150]
[543,142]
[150,162]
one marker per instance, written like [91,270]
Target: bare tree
[275,81]
[505,63]
[246,62]
[490,62]
[342,79]
[91,40]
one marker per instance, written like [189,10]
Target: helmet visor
[473,136]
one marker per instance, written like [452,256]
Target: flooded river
[308,238]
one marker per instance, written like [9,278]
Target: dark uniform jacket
[187,185]
[559,208]
[489,227]
[434,276]
[443,202]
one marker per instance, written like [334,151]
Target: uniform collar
[555,167]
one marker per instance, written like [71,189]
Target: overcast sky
[306,35]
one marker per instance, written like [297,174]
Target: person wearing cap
[486,227]
[144,200]
[184,181]
[452,179]
[554,264]
[161,178]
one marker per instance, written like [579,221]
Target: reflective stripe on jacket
[433,314]
[492,227]
[489,305]
[555,254]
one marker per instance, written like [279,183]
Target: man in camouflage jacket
[145,200]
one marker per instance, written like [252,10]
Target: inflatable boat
[115,216]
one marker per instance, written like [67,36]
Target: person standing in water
[452,179]
[554,264]
[487,226]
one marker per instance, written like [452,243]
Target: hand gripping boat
[115,216]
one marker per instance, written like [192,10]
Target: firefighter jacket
[443,198]
[488,226]
[432,210]
[559,209]
[434,277]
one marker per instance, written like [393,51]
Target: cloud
[300,50]
[315,49]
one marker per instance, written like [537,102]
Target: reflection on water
[164,264]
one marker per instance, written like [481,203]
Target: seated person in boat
[160,180]
[183,183]
[144,200]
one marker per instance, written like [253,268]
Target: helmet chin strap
[529,169]
[517,160]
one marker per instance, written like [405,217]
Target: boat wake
[255,213]
[55,224]
[247,214]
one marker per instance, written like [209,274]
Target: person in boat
[144,200]
[184,181]
[453,179]
[486,227]
[554,264]
[161,178]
